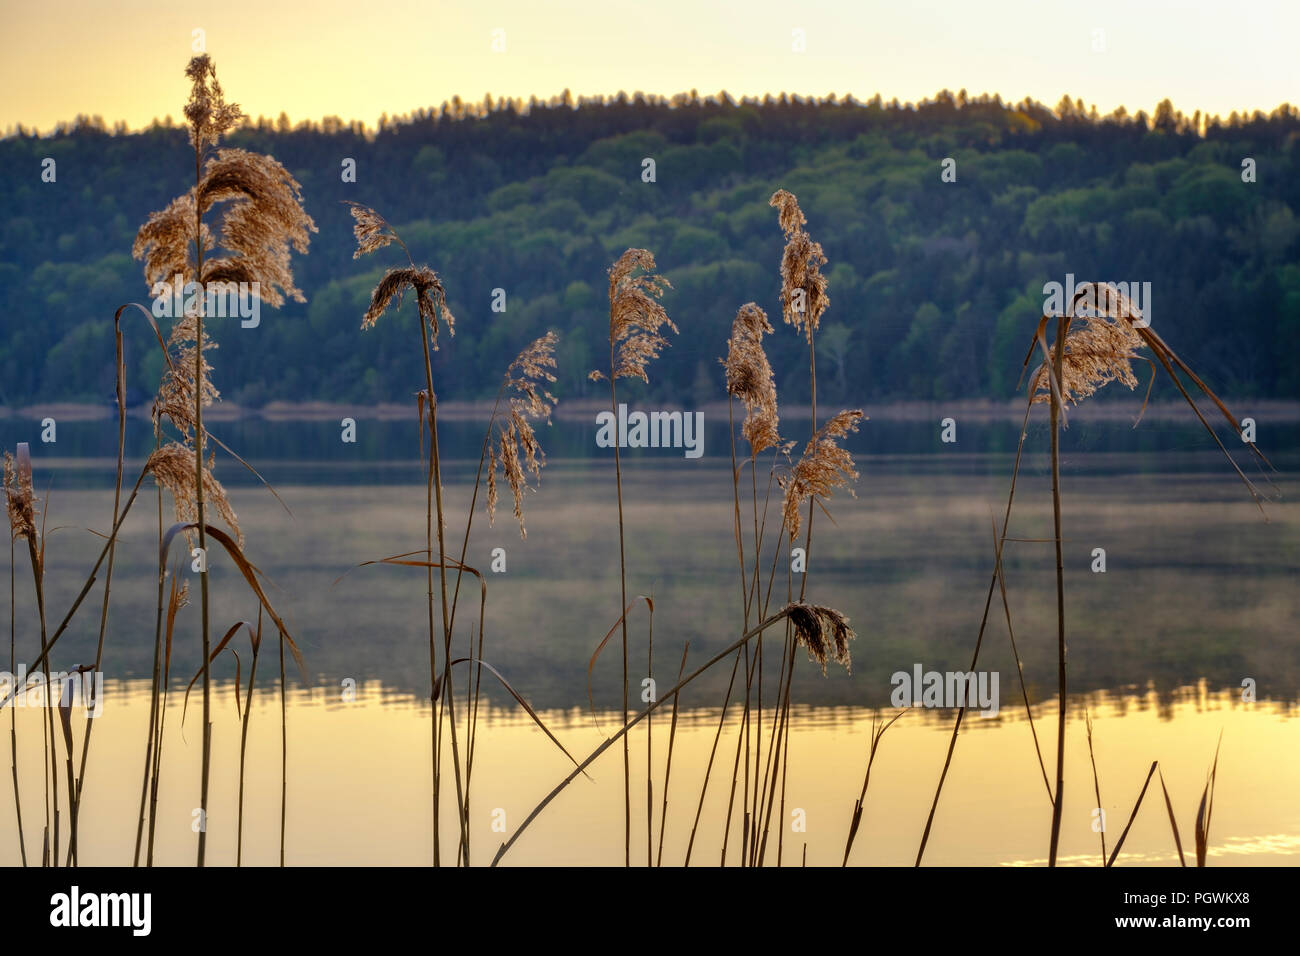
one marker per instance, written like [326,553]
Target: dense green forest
[935,287]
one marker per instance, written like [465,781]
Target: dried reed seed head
[517,440]
[175,399]
[20,500]
[516,447]
[841,424]
[789,215]
[635,314]
[749,375]
[508,450]
[824,631]
[12,508]
[166,242]
[761,429]
[492,484]
[750,378]
[527,440]
[430,298]
[1099,346]
[823,467]
[209,115]
[264,221]
[371,230]
[173,468]
[525,375]
[803,287]
[1106,299]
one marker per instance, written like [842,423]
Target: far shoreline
[983,410]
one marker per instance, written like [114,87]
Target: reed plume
[373,232]
[178,393]
[635,315]
[20,500]
[1099,349]
[823,467]
[171,466]
[803,287]
[370,229]
[527,378]
[430,298]
[750,378]
[824,632]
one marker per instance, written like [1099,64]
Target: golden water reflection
[359,782]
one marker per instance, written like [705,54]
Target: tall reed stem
[284,751]
[243,749]
[201,508]
[51,756]
[622,583]
[1058,363]
[13,712]
[447,690]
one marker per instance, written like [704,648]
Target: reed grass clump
[237,224]
[261,221]
[511,448]
[1097,339]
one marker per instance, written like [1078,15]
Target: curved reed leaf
[605,640]
[247,569]
[522,703]
[220,646]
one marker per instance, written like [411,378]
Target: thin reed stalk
[877,732]
[1096,785]
[668,767]
[622,590]
[649,752]
[284,751]
[713,752]
[1059,789]
[36,555]
[243,740]
[1119,844]
[177,599]
[13,711]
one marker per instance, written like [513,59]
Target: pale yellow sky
[125,60]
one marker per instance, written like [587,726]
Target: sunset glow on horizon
[335,58]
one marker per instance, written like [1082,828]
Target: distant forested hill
[935,286]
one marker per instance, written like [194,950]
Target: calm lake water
[1198,596]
